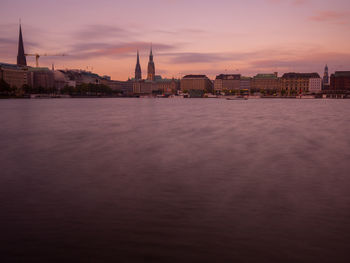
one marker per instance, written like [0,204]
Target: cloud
[7,41]
[331,16]
[304,62]
[101,31]
[126,49]
[192,57]
[213,57]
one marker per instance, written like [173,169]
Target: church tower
[138,73]
[325,76]
[21,58]
[151,69]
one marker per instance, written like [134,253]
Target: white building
[315,85]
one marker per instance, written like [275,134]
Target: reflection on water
[171,180]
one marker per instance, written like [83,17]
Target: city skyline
[300,36]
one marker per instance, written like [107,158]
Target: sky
[188,36]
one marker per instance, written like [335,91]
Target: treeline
[6,89]
[88,90]
[80,90]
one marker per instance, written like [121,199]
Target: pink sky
[188,36]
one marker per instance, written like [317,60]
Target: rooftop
[11,66]
[342,73]
[293,75]
[38,69]
[229,76]
[195,77]
[266,76]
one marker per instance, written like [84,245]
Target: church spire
[21,58]
[151,68]
[325,75]
[138,73]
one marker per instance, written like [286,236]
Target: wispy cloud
[125,49]
[89,32]
[337,17]
[195,57]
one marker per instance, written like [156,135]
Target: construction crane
[37,56]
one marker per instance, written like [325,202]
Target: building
[151,71]
[297,83]
[125,87]
[79,77]
[138,73]
[315,85]
[14,75]
[61,80]
[196,85]
[168,86]
[160,86]
[265,83]
[245,83]
[42,79]
[227,82]
[144,87]
[340,81]
[21,58]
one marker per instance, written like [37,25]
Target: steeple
[151,68]
[326,75]
[21,58]
[138,73]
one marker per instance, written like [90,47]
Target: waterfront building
[151,72]
[138,73]
[245,83]
[340,81]
[266,83]
[125,87]
[14,75]
[168,86]
[315,85]
[160,86]
[144,87]
[42,78]
[61,80]
[196,84]
[21,58]
[297,83]
[82,76]
[227,82]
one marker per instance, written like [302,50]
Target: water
[171,180]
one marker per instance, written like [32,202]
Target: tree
[27,89]
[5,88]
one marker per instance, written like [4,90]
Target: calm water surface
[171,180]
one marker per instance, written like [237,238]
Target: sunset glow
[190,36]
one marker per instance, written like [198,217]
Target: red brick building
[340,81]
